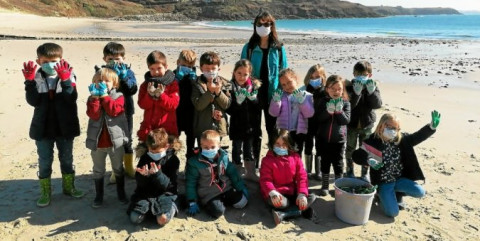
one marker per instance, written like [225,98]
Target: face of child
[335,91]
[288,83]
[209,68]
[209,144]
[391,124]
[280,143]
[157,70]
[241,75]
[114,58]
[42,60]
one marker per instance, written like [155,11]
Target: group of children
[326,111]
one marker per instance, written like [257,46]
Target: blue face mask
[157,156]
[183,71]
[280,151]
[210,154]
[48,68]
[315,83]
[362,79]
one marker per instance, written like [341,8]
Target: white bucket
[352,208]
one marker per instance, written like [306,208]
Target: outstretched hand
[64,70]
[29,70]
[435,119]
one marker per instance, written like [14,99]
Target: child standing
[283,180]
[393,163]
[186,75]
[364,98]
[212,180]
[159,97]
[244,117]
[210,97]
[332,114]
[156,180]
[292,107]
[114,57]
[107,131]
[315,84]
[52,92]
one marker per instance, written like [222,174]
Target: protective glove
[338,105]
[277,95]
[121,69]
[93,90]
[240,96]
[301,201]
[159,91]
[357,87]
[370,86]
[64,70]
[151,89]
[375,164]
[276,198]
[245,193]
[102,89]
[435,120]
[193,209]
[253,95]
[331,107]
[299,95]
[29,70]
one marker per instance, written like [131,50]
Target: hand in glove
[357,87]
[121,69]
[159,91]
[276,198]
[93,90]
[102,89]
[151,89]
[435,120]
[240,96]
[29,70]
[338,105]
[370,86]
[253,95]
[301,201]
[331,107]
[193,209]
[299,95]
[64,70]
[277,95]
[375,164]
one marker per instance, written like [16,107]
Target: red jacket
[159,112]
[285,174]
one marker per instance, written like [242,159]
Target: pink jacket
[285,174]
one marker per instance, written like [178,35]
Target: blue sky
[456,4]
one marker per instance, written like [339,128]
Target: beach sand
[416,77]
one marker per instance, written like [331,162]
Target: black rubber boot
[122,197]
[279,216]
[325,183]
[98,201]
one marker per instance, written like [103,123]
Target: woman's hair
[312,70]
[272,38]
[334,79]
[284,134]
[159,138]
[381,126]
[106,74]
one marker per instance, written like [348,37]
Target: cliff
[388,11]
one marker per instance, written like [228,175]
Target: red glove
[29,70]
[64,70]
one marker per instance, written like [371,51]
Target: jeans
[388,200]
[237,150]
[45,155]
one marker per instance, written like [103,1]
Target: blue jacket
[128,87]
[273,65]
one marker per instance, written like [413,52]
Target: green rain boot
[68,185]
[45,192]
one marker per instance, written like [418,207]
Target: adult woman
[268,57]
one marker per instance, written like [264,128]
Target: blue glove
[245,193]
[102,89]
[193,209]
[370,86]
[121,70]
[277,95]
[93,90]
[193,75]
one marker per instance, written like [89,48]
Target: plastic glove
[338,105]
[357,87]
[435,120]
[299,95]
[240,96]
[151,89]
[276,198]
[93,90]
[245,193]
[64,70]
[331,107]
[193,209]
[102,89]
[301,201]
[253,95]
[277,95]
[29,70]
[159,91]
[375,164]
[121,69]
[370,86]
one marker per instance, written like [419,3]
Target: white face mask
[389,134]
[210,75]
[263,31]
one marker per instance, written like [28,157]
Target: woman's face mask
[263,31]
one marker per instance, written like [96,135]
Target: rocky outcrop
[388,11]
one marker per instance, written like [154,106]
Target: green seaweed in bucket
[360,189]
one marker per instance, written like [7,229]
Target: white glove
[277,95]
[252,96]
[339,106]
[330,107]
[371,86]
[301,201]
[299,95]
[240,96]
[357,87]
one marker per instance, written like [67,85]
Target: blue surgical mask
[280,151]
[210,154]
[389,133]
[315,83]
[182,71]
[210,75]
[48,68]
[361,78]
[157,156]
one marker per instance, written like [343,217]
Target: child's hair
[113,48]
[156,57]
[50,50]
[106,74]
[287,72]
[210,58]
[210,135]
[381,126]
[242,63]
[312,70]
[159,138]
[362,67]
[285,135]
[189,56]
[334,79]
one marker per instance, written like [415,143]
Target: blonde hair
[381,126]
[288,72]
[159,138]
[210,135]
[106,74]
[334,79]
[312,70]
[189,56]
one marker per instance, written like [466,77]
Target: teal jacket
[201,182]
[274,64]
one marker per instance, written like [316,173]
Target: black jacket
[363,106]
[185,109]
[318,94]
[331,128]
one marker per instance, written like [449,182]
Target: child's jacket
[283,109]
[185,109]
[110,112]
[362,107]
[317,95]
[331,128]
[128,87]
[285,174]
[61,107]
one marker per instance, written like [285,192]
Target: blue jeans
[45,155]
[388,200]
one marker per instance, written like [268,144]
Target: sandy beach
[416,77]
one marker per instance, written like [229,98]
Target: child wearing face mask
[393,163]
[212,180]
[156,177]
[364,99]
[292,107]
[107,131]
[332,114]
[210,97]
[283,180]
